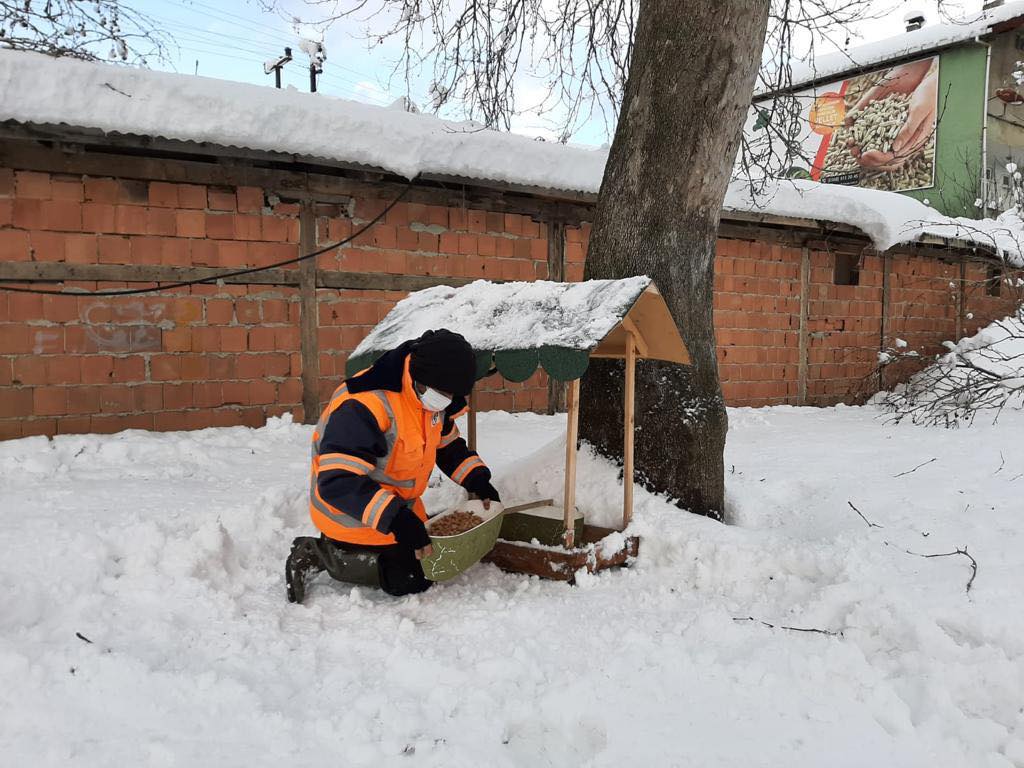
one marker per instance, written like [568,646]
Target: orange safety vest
[412,434]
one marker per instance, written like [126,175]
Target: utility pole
[277,65]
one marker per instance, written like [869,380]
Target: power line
[336,80]
[249,25]
[223,275]
[278,37]
[202,41]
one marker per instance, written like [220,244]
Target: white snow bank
[888,219]
[505,316]
[166,550]
[930,37]
[44,90]
[981,373]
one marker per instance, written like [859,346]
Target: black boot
[304,562]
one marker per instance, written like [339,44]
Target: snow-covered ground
[166,552]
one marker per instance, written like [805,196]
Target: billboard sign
[875,130]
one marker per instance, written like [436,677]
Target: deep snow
[165,550]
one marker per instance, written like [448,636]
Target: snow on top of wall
[44,90]
[507,316]
[888,219]
[929,38]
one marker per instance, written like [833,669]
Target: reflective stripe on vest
[462,471]
[390,439]
[342,461]
[450,438]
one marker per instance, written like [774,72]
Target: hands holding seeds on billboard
[902,108]
[879,128]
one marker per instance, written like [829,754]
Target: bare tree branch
[83,29]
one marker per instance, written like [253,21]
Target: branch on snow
[829,632]
[870,524]
[954,553]
[922,464]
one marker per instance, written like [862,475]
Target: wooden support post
[556,272]
[471,421]
[309,317]
[571,435]
[805,290]
[627,448]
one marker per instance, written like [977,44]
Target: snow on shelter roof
[930,37]
[518,325]
[43,90]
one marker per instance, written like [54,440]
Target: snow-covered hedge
[984,372]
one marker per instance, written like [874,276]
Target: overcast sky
[231,39]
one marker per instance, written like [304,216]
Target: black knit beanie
[444,361]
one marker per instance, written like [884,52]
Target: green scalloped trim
[561,363]
[484,362]
[517,364]
[564,363]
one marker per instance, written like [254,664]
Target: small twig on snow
[1002,463]
[117,90]
[82,637]
[829,632]
[964,552]
[901,474]
[870,524]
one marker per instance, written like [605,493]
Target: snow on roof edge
[869,55]
[42,90]
[39,89]
[886,218]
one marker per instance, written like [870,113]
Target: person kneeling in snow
[373,451]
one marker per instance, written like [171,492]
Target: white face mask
[434,401]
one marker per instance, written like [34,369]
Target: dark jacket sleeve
[351,444]
[455,459]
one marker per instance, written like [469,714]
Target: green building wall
[958,139]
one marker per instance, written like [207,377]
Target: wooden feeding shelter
[516,327]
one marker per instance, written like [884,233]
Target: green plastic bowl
[454,554]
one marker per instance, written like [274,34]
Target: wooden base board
[560,564]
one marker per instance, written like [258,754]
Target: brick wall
[230,354]
[213,355]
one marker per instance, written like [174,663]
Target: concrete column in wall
[961,300]
[309,318]
[883,326]
[805,291]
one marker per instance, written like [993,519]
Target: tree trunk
[689,87]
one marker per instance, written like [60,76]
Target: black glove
[409,530]
[483,489]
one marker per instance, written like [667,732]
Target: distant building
[936,112]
